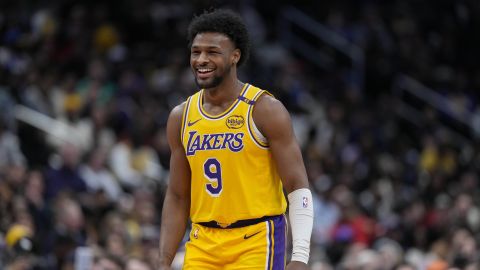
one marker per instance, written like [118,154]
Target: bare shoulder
[268,103]
[177,112]
[268,106]
[270,115]
[174,124]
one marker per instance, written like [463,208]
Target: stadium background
[383,97]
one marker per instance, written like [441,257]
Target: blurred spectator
[36,94]
[98,178]
[18,238]
[438,265]
[136,264]
[120,160]
[102,135]
[390,251]
[353,226]
[108,261]
[404,266]
[143,223]
[96,89]
[37,206]
[65,176]
[68,230]
[19,248]
[10,153]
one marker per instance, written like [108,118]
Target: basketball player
[233,151]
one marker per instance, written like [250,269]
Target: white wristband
[301,220]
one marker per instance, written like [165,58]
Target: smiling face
[212,57]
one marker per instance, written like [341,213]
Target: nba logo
[305,202]
[195,234]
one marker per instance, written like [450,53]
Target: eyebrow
[206,46]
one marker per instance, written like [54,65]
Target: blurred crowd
[86,88]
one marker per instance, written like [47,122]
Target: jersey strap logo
[248,236]
[246,100]
[201,142]
[190,123]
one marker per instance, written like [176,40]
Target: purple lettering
[226,141]
[199,142]
[237,144]
[207,139]
[216,140]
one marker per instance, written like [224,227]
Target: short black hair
[222,21]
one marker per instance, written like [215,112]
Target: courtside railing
[292,18]
[414,97]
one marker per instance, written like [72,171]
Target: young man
[233,153]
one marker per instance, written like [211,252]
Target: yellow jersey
[233,175]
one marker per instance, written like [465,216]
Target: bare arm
[176,206]
[273,120]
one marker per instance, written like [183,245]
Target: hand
[294,265]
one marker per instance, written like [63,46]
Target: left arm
[273,120]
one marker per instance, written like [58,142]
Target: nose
[202,58]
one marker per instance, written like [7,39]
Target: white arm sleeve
[301,222]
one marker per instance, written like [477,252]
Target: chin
[202,84]
[211,83]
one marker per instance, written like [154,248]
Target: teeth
[205,70]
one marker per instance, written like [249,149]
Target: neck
[227,91]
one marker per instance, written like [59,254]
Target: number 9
[213,172]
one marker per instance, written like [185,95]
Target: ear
[236,54]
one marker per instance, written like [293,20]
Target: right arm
[176,207]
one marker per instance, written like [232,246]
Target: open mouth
[203,73]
